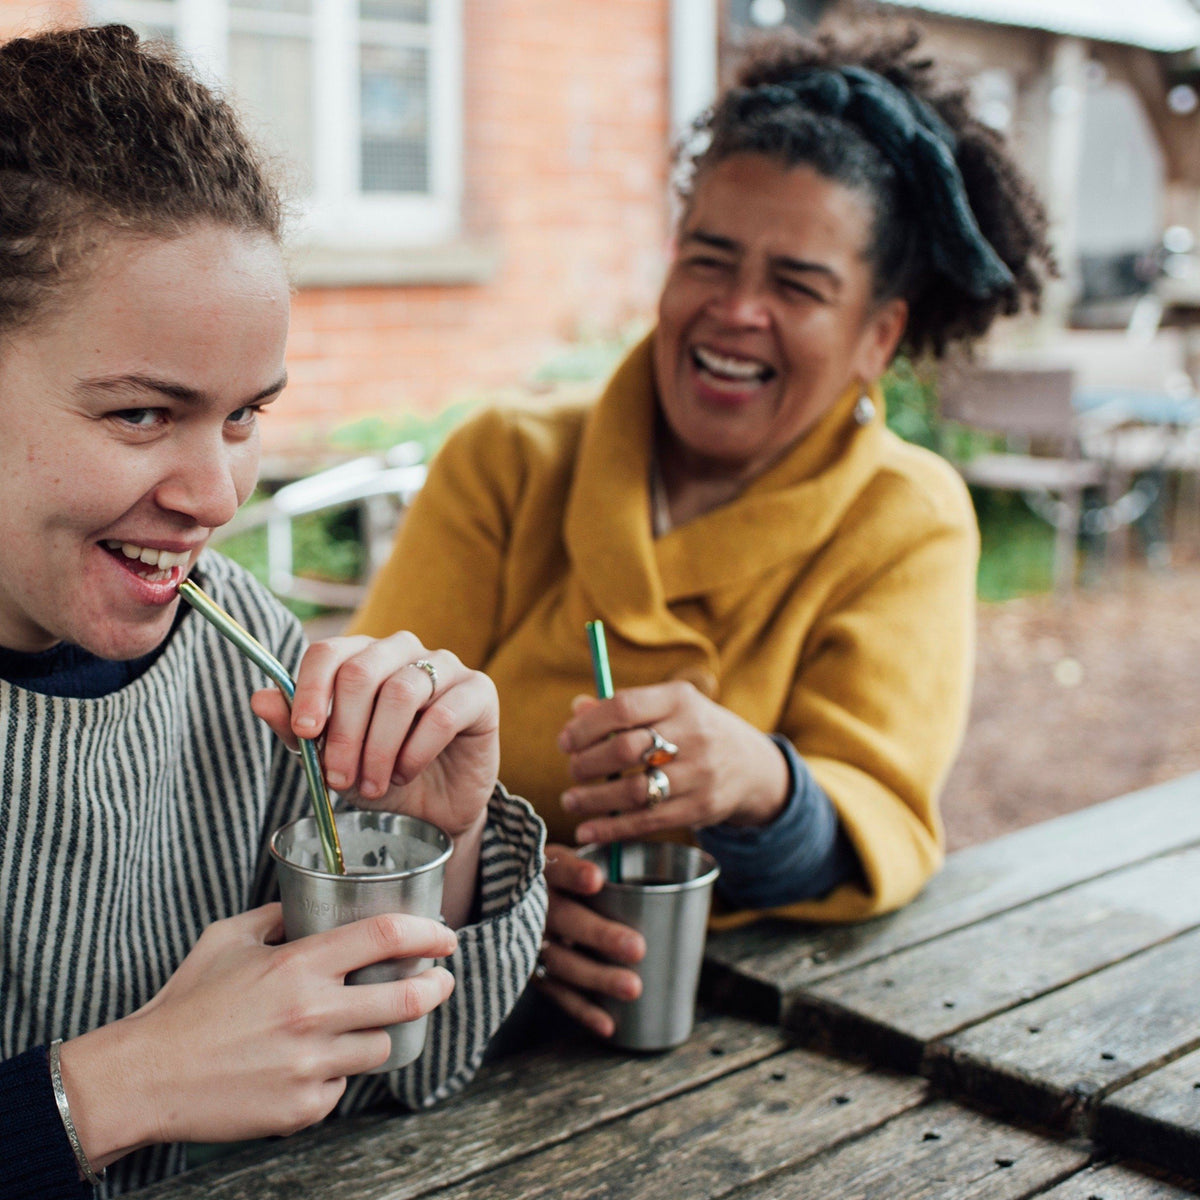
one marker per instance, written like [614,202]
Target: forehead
[208,308]
[790,211]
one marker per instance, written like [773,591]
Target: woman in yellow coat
[787,587]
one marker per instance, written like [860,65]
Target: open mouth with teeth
[729,372]
[154,566]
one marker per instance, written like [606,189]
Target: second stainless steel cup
[394,864]
[665,896]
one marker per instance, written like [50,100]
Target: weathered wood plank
[939,1152]
[891,1009]
[1110,1182]
[709,1142]
[757,966]
[514,1107]
[1157,1119]
[1055,1058]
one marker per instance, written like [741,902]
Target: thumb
[582,703]
[269,704]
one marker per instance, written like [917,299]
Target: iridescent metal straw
[604,689]
[254,650]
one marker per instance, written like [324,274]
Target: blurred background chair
[1029,412]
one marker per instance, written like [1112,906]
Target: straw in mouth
[254,650]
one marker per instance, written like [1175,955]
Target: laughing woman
[145,998]
[788,588]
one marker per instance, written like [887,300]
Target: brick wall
[566,131]
[566,167]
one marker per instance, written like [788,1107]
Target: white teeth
[165,560]
[732,368]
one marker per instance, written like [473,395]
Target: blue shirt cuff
[802,854]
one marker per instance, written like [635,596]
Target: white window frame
[338,214]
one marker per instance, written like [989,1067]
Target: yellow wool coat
[831,602]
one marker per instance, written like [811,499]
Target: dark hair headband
[920,147]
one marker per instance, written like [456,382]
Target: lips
[147,562]
[730,373]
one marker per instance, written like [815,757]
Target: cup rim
[709,866]
[383,876]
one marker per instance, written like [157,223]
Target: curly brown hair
[758,114]
[102,133]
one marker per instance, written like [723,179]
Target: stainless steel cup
[394,864]
[665,894]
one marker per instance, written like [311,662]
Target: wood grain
[892,1009]
[513,1108]
[709,1142]
[938,1152]
[762,964]
[1055,1059]
[1157,1118]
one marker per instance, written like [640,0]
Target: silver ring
[423,664]
[660,751]
[539,971]
[658,787]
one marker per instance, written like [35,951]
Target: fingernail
[305,723]
[369,787]
[570,801]
[564,741]
[629,947]
[631,989]
[585,833]
[336,779]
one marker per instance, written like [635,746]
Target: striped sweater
[130,822]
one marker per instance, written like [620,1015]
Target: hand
[400,742]
[569,974]
[249,1038]
[725,770]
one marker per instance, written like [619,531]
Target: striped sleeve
[492,965]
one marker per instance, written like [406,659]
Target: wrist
[767,791]
[104,1076]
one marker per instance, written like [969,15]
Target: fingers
[374,939]
[573,924]
[575,1005]
[566,871]
[625,794]
[627,710]
[270,705]
[387,707]
[376,1005]
[585,974]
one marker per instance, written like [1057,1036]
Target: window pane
[303,7]
[272,79]
[395,119]
[394,10]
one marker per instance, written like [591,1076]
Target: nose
[741,303]
[208,480]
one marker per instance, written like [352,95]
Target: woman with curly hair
[146,998]
[787,587]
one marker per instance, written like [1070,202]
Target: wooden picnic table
[1029,1026]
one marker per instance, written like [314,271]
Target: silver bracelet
[64,1111]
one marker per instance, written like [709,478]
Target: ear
[881,334]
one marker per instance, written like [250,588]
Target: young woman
[146,999]
[788,588]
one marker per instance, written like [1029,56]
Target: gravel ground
[1078,701]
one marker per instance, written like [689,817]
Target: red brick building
[479,181]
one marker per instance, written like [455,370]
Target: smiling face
[130,433]
[767,315]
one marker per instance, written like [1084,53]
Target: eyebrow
[780,261]
[165,387]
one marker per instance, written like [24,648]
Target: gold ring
[660,751]
[658,787]
[423,664]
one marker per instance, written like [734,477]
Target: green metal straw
[604,689]
[254,650]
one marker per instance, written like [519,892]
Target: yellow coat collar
[790,510]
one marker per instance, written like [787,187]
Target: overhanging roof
[1165,25]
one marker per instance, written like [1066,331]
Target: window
[360,99]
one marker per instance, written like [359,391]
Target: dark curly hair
[763,113]
[99,133]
